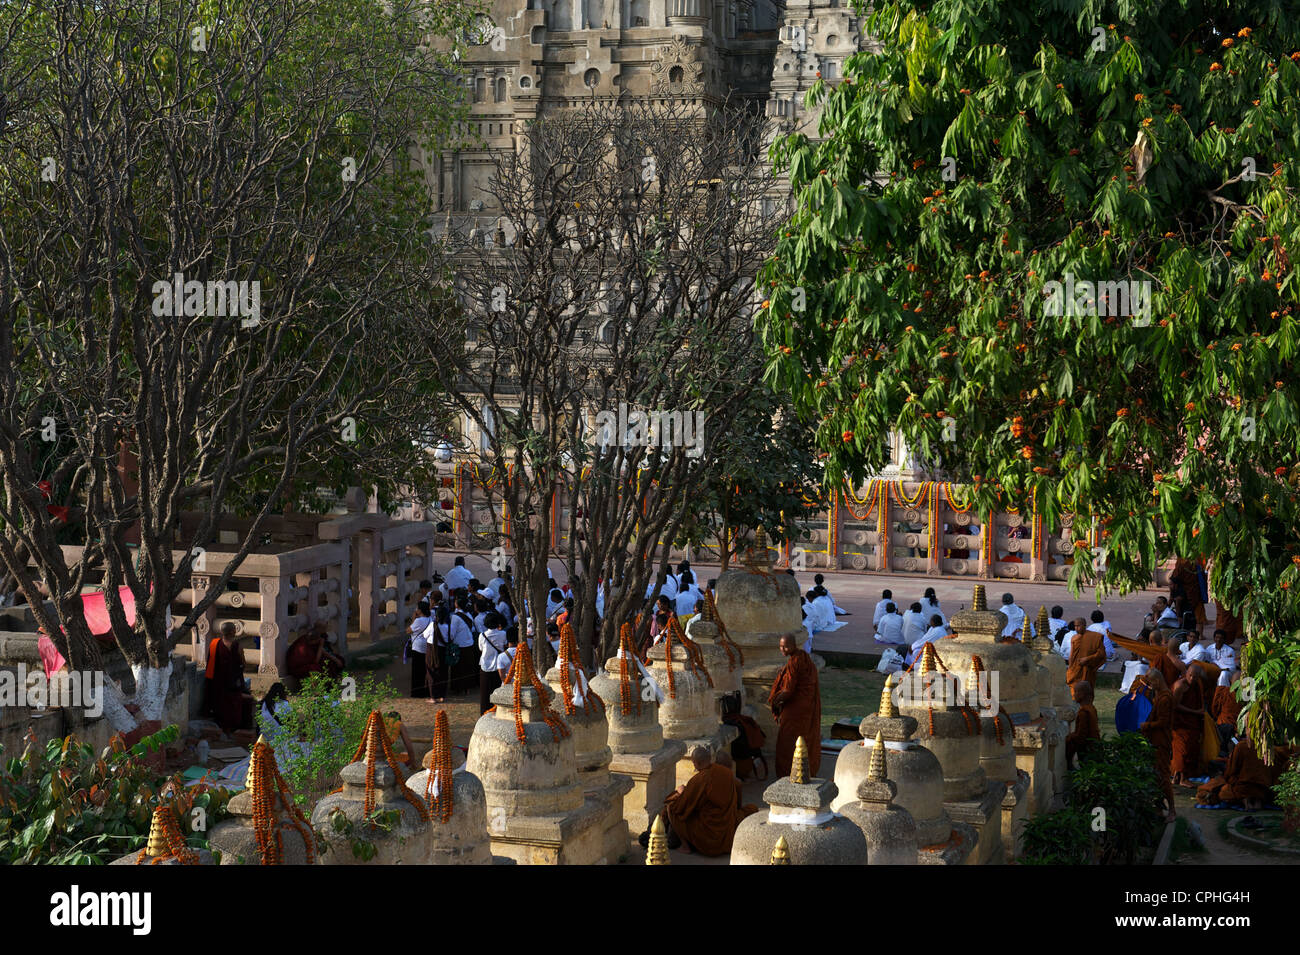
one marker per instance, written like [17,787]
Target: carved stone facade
[522,64]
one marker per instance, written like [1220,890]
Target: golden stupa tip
[876,768]
[760,540]
[887,710]
[799,770]
[976,668]
[1025,633]
[1044,620]
[657,850]
[977,601]
[929,659]
[780,853]
[157,833]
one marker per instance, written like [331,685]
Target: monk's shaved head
[1155,679]
[787,644]
[700,756]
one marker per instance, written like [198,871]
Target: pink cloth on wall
[51,659]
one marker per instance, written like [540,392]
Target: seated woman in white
[937,631]
[930,605]
[819,581]
[821,611]
[890,628]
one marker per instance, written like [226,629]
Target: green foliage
[1118,156]
[1122,781]
[1058,838]
[1287,793]
[60,805]
[321,731]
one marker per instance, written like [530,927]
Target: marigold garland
[265,784]
[523,664]
[951,498]
[165,829]
[873,495]
[734,653]
[694,655]
[901,496]
[441,803]
[627,687]
[374,743]
[566,662]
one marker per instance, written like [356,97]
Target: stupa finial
[799,769]
[1044,622]
[887,709]
[657,851]
[1026,632]
[977,600]
[780,853]
[876,768]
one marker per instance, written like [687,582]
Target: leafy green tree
[991,149]
[265,150]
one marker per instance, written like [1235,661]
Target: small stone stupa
[373,786]
[799,810]
[931,694]
[266,826]
[585,712]
[457,806]
[890,830]
[636,738]
[166,845]
[917,776]
[722,658]
[522,751]
[689,711]
[1055,703]
[656,852]
[760,607]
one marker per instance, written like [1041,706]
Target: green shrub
[1287,793]
[1122,783]
[60,805]
[322,730]
[1058,838]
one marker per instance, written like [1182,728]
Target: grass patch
[849,693]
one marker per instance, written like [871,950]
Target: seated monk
[226,699]
[1158,729]
[796,702]
[308,654]
[1087,728]
[1087,654]
[743,808]
[704,812]
[1246,781]
[1224,710]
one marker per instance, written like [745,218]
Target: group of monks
[704,813]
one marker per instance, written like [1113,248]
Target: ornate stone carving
[201,582]
[204,625]
[270,585]
[268,629]
[676,70]
[236,598]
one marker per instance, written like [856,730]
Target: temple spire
[876,768]
[799,770]
[887,709]
[657,851]
[977,600]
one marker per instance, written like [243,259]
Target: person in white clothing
[915,623]
[1221,653]
[819,580]
[890,627]
[688,595]
[554,603]
[1015,617]
[1101,625]
[930,605]
[1055,624]
[1191,650]
[886,598]
[670,585]
[937,631]
[492,646]
[496,583]
[458,577]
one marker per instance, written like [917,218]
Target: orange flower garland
[523,664]
[566,660]
[373,744]
[627,687]
[734,653]
[694,655]
[931,662]
[442,803]
[264,784]
[166,825]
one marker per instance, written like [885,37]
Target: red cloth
[302,657]
[51,659]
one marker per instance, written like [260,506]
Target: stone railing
[892,526]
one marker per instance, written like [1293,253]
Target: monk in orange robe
[1245,780]
[796,702]
[1170,664]
[1087,728]
[1087,654]
[1188,725]
[703,813]
[1158,729]
[227,700]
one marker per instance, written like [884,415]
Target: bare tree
[208,224]
[616,282]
